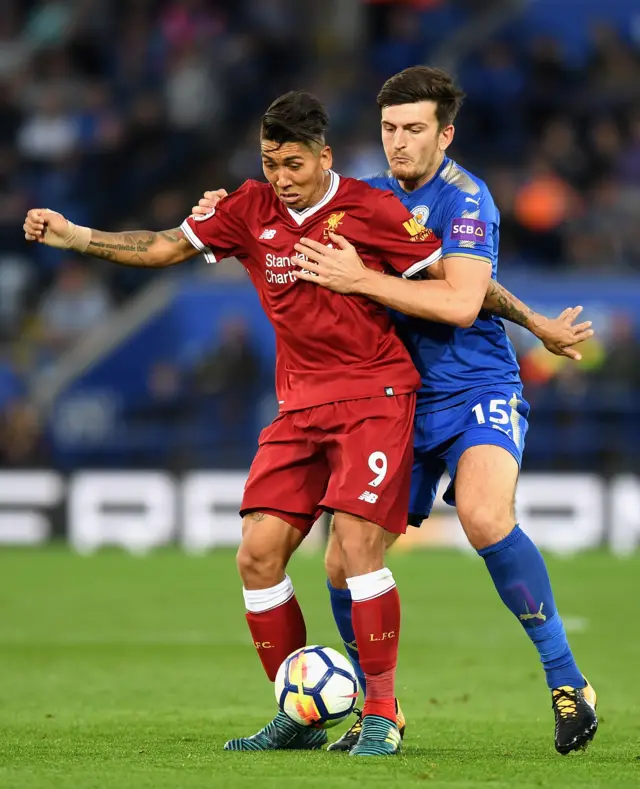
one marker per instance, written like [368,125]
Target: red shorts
[354,456]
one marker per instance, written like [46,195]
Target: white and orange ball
[316,686]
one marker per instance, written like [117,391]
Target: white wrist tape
[77,237]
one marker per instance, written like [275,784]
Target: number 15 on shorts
[507,416]
[498,414]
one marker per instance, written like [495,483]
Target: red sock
[376,624]
[277,633]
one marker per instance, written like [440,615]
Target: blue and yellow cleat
[400,719]
[576,719]
[350,738]
[379,737]
[282,734]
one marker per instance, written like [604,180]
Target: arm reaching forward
[558,335]
[455,299]
[134,248]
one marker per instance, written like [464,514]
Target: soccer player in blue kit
[471,417]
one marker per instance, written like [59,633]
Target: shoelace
[357,726]
[565,702]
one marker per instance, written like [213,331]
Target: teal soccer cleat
[282,734]
[379,737]
[350,738]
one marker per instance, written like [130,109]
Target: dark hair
[295,117]
[422,83]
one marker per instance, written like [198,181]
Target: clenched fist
[54,230]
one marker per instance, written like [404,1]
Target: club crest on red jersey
[332,223]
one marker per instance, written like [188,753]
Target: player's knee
[486,524]
[334,564]
[362,545]
[259,569]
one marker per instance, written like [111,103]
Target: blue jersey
[458,207]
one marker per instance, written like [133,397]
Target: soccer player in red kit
[345,384]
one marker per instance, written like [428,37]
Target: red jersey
[330,347]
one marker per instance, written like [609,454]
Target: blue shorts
[490,416]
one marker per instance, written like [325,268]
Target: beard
[412,172]
[408,171]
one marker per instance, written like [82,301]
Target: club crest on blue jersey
[421,213]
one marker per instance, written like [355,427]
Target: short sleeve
[403,243]
[222,233]
[470,226]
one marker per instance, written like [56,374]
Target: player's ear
[446,136]
[326,158]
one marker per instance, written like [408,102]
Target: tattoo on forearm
[130,248]
[500,302]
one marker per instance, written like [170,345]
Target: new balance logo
[369,497]
[268,233]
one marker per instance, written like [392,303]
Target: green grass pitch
[121,672]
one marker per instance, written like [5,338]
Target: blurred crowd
[119,113]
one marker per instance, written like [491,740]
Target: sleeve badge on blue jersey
[468,230]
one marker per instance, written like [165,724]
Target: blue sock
[341,607]
[520,576]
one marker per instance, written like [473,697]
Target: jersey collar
[300,216]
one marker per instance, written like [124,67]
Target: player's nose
[400,141]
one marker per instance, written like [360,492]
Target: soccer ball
[316,686]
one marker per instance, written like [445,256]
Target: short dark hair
[423,83]
[296,117]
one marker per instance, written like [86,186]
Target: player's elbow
[466,312]
[172,258]
[171,255]
[466,319]
[161,261]
[171,248]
